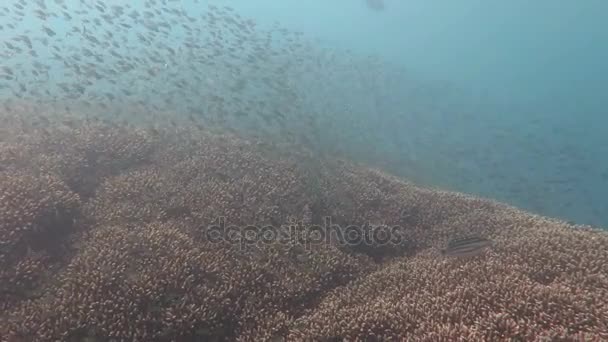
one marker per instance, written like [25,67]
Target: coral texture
[112,233]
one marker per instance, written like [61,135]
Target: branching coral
[105,236]
[545,283]
[35,213]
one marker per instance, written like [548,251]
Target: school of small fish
[214,65]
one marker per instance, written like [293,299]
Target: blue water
[500,99]
[534,71]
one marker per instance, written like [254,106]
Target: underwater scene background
[454,154]
[504,100]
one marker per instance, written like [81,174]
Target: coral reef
[36,214]
[123,233]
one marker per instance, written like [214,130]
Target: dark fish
[7,70]
[376,5]
[466,246]
[48,31]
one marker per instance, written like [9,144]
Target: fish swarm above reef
[102,239]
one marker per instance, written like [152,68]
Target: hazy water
[502,99]
[520,59]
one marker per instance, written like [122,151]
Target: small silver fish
[466,246]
